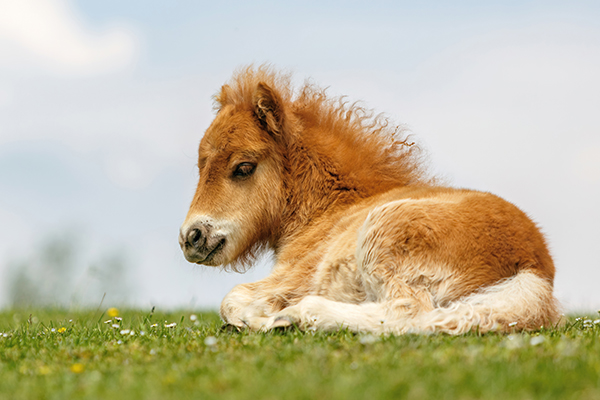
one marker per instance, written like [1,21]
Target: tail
[524,301]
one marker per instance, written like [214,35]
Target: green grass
[90,359]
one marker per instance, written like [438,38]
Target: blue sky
[102,106]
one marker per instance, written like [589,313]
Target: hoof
[281,322]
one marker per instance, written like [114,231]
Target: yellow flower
[44,370]
[77,368]
[113,312]
[61,330]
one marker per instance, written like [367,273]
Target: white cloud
[511,102]
[48,35]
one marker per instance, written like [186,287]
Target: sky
[103,104]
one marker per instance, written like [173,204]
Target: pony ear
[223,97]
[268,108]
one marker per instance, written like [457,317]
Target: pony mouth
[213,253]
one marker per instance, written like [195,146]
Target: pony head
[238,200]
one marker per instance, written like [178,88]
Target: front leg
[250,305]
[239,303]
[319,313]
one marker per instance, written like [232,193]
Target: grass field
[57,354]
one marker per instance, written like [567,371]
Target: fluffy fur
[361,238]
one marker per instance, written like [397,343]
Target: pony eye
[244,170]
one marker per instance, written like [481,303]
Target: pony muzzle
[201,244]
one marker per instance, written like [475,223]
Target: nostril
[194,237]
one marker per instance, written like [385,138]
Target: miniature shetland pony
[362,240]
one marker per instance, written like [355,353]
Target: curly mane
[368,143]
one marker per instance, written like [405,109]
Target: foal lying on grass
[362,239]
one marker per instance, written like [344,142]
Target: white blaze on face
[223,227]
